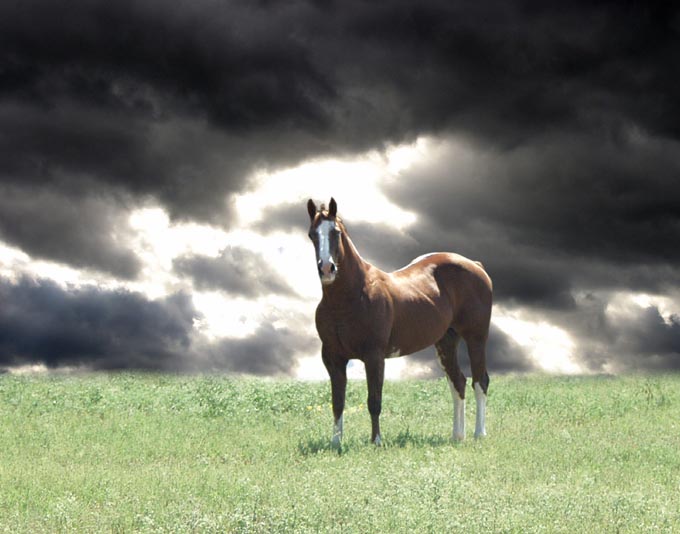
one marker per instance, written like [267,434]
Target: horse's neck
[351,272]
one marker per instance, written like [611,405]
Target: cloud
[135,107]
[236,270]
[269,351]
[86,231]
[173,106]
[557,166]
[501,71]
[648,342]
[180,104]
[93,328]
[284,217]
[617,335]
[552,216]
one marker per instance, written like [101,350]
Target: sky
[156,159]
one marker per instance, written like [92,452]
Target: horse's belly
[418,329]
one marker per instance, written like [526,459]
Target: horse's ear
[311,209]
[332,208]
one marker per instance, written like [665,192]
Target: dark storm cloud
[269,351]
[138,100]
[616,335]
[93,328]
[87,232]
[236,270]
[556,215]
[232,63]
[350,75]
[647,342]
[41,323]
[180,103]
[177,103]
[504,70]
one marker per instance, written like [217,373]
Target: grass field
[158,453]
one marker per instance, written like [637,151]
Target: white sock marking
[480,423]
[337,433]
[458,414]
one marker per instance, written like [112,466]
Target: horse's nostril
[333,268]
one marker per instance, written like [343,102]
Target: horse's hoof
[480,435]
[377,441]
[336,443]
[457,437]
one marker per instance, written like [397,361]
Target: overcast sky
[156,159]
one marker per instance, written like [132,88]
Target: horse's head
[325,231]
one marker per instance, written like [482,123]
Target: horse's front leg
[375,375]
[337,371]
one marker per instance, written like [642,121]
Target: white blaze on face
[327,262]
[324,230]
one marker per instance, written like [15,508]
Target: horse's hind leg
[480,380]
[447,351]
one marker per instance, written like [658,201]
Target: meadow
[164,453]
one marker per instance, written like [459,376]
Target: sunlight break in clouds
[355,184]
[551,347]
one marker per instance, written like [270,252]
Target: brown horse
[371,315]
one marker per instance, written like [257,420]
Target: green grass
[157,453]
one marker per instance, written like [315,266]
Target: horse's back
[444,264]
[460,288]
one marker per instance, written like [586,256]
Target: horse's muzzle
[327,271]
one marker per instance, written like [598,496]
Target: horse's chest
[346,329]
[350,331]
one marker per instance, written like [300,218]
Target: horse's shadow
[313,446]
[404,439]
[407,438]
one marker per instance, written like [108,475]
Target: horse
[371,315]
